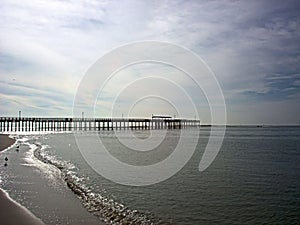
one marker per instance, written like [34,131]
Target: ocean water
[255,178]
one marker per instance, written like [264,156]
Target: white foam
[50,171]
[34,132]
[54,169]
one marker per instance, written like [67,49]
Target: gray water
[255,178]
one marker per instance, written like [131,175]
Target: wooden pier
[19,124]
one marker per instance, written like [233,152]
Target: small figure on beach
[6,159]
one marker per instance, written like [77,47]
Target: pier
[19,124]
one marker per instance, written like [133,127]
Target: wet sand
[10,211]
[44,195]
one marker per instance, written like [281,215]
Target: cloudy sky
[46,47]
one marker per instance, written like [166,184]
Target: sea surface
[255,178]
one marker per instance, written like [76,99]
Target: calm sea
[255,178]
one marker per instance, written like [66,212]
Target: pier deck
[14,124]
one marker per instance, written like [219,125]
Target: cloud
[47,46]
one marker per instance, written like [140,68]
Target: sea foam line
[107,209]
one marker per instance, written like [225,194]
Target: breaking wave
[109,210]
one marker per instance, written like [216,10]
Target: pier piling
[18,124]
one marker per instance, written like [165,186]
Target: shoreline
[5,142]
[38,188]
[11,211]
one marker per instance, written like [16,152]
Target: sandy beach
[10,211]
[31,197]
[5,141]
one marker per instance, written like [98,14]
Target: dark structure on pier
[14,124]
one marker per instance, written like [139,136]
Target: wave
[109,210]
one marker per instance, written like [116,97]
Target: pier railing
[15,124]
